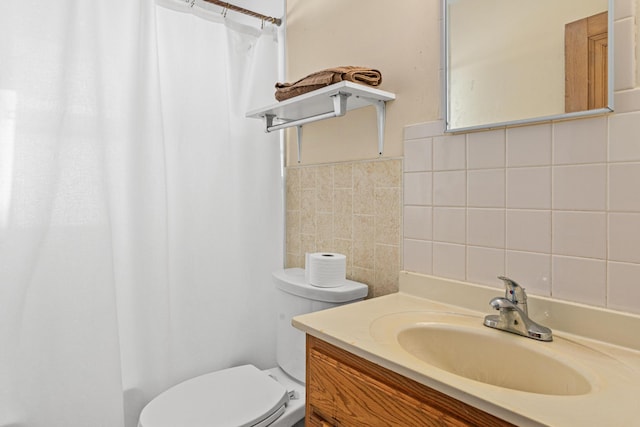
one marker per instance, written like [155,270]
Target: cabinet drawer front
[345,390]
[345,397]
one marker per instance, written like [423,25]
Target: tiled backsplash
[555,206]
[352,208]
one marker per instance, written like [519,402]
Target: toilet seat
[242,396]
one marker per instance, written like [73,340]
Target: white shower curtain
[140,212]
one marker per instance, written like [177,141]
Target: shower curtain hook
[262,24]
[224,11]
[192,3]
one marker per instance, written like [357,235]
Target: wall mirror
[512,62]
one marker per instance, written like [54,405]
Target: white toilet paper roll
[326,269]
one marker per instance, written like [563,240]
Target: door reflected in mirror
[521,61]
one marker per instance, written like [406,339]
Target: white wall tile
[424,130]
[623,286]
[580,141]
[486,149]
[529,230]
[486,188]
[417,188]
[581,187]
[623,8]
[627,101]
[449,225]
[529,188]
[484,265]
[624,237]
[531,270]
[623,137]
[581,234]
[624,180]
[486,227]
[449,152]
[417,256]
[529,145]
[579,279]
[417,222]
[450,188]
[417,155]
[449,260]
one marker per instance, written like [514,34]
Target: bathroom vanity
[346,390]
[422,357]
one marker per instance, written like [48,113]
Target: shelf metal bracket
[381,109]
[299,135]
[380,113]
[268,121]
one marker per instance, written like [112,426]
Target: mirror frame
[529,120]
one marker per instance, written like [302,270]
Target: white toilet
[244,395]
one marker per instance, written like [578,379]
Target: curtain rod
[229,6]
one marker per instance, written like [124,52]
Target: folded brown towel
[328,77]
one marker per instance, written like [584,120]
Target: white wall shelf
[328,102]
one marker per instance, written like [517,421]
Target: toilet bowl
[239,396]
[245,396]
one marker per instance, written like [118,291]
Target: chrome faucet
[514,315]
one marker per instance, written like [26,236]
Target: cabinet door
[345,390]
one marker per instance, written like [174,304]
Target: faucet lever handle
[513,292]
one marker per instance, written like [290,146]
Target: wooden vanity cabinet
[345,390]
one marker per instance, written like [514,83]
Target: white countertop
[602,344]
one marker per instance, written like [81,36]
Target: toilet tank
[294,297]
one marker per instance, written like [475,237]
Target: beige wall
[400,39]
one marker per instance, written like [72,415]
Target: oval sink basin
[492,358]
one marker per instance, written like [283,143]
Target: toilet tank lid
[292,280]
